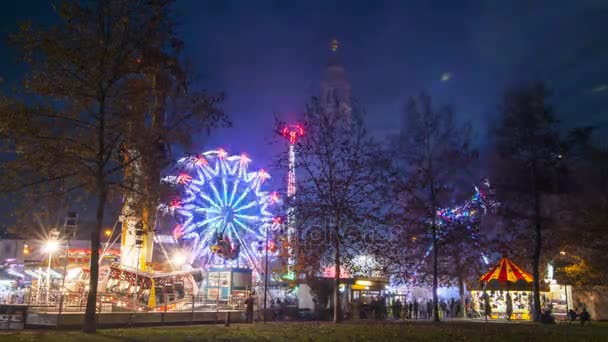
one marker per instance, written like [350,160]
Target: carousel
[505,292]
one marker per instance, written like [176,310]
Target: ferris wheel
[222,212]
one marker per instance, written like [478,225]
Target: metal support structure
[265,277]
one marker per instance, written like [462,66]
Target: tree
[531,152]
[432,154]
[96,105]
[341,169]
[583,260]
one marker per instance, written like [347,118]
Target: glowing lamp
[107,232]
[51,246]
[179,259]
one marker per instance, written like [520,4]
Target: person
[410,310]
[373,308]
[585,317]
[249,308]
[487,305]
[572,315]
[429,309]
[509,306]
[546,317]
[415,308]
[396,309]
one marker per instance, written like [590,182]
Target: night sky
[268,57]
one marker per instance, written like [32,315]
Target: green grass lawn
[361,331]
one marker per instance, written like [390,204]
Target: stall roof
[506,271]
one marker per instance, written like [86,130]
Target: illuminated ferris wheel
[222,211]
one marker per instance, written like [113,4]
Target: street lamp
[179,259]
[108,233]
[50,246]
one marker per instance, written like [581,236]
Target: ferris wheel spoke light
[246,206]
[242,225]
[225,190]
[212,202]
[208,221]
[241,197]
[248,218]
[234,187]
[216,194]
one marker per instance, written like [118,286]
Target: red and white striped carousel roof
[506,271]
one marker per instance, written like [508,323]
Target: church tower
[335,93]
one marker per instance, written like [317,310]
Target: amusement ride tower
[292,133]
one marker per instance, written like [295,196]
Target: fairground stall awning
[506,274]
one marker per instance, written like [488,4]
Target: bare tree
[531,152]
[432,153]
[340,171]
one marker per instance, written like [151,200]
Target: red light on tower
[292,132]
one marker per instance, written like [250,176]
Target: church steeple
[335,85]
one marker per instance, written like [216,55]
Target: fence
[57,302]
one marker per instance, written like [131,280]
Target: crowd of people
[383,307]
[423,309]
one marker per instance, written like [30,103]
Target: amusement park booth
[504,284]
[226,284]
[362,291]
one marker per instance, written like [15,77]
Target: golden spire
[334,45]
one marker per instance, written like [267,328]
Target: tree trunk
[337,313]
[463,307]
[435,275]
[89,316]
[537,247]
[535,270]
[90,324]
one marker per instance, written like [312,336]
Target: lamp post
[51,245]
